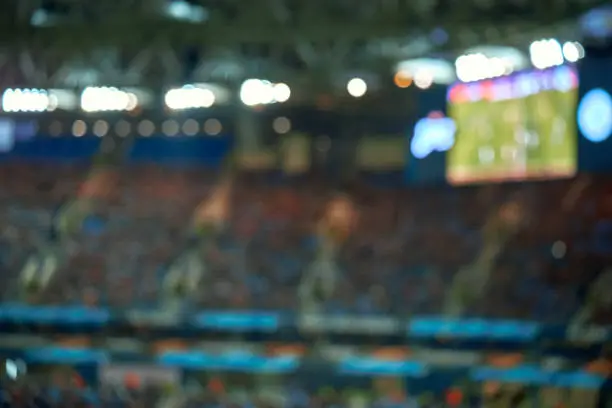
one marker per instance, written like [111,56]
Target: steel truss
[130,43]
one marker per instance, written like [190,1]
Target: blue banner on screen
[53,314]
[522,374]
[473,329]
[425,328]
[59,355]
[374,367]
[515,127]
[579,379]
[238,321]
[231,361]
[533,375]
[594,115]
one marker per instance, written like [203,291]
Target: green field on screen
[514,139]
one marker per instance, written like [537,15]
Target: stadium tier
[400,259]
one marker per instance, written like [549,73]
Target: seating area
[17,395]
[401,258]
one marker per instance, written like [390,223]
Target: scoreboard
[513,128]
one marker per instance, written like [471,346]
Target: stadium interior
[290,203]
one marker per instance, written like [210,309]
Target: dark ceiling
[132,42]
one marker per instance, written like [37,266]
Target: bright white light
[251,92]
[11,369]
[26,100]
[546,53]
[181,10]
[423,79]
[570,52]
[53,103]
[476,67]
[105,99]
[132,102]
[472,67]
[573,51]
[281,92]
[189,97]
[357,87]
[260,92]
[267,96]
[497,67]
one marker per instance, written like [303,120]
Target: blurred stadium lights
[189,97]
[546,53]
[424,72]
[573,51]
[487,62]
[255,92]
[43,18]
[38,100]
[423,79]
[27,100]
[183,11]
[107,99]
[475,67]
[357,87]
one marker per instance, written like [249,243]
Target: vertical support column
[249,145]
[248,131]
[343,151]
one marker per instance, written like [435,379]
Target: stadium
[289,203]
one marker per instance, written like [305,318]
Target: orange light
[402,79]
[454,397]
[132,380]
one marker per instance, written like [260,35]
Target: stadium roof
[77,43]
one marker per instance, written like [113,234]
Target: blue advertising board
[429,139]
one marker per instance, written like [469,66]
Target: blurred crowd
[32,392]
[51,394]
[136,242]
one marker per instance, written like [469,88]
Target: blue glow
[432,135]
[596,22]
[595,115]
[7,135]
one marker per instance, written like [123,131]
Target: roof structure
[154,43]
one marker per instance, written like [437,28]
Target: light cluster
[476,67]
[107,99]
[255,92]
[189,97]
[27,100]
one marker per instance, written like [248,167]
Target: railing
[414,330]
[417,327]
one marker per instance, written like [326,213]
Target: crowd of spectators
[31,392]
[400,258]
[382,393]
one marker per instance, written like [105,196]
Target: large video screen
[515,127]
